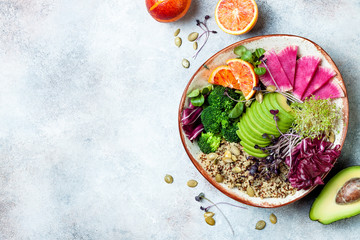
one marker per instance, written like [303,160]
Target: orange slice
[223,76]
[236,16]
[245,75]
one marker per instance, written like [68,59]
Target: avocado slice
[325,209]
[252,151]
[264,121]
[285,119]
[245,134]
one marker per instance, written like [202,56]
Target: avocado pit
[349,192]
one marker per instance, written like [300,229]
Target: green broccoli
[230,134]
[217,98]
[209,142]
[211,119]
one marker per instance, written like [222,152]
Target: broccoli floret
[211,119]
[217,98]
[230,134]
[209,142]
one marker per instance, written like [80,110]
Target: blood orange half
[236,16]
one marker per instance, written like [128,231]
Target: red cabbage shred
[310,160]
[191,122]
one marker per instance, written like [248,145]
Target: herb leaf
[237,110]
[260,70]
[239,50]
[194,93]
[198,101]
[259,52]
[247,56]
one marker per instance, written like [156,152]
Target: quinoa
[235,173]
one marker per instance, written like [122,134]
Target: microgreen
[206,33]
[315,117]
[198,100]
[202,197]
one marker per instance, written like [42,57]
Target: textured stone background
[89,92]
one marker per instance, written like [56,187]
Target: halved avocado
[325,209]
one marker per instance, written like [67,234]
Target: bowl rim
[203,172]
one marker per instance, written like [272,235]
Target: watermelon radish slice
[274,71]
[322,76]
[331,90]
[305,69]
[287,58]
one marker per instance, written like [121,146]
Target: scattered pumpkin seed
[219,178]
[273,218]
[193,36]
[259,97]
[210,221]
[177,32]
[209,214]
[260,225]
[233,157]
[332,137]
[211,156]
[236,170]
[250,191]
[185,63]
[195,45]
[192,183]
[178,41]
[271,88]
[168,179]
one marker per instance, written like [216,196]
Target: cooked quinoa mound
[231,162]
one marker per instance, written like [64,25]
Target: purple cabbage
[191,122]
[309,160]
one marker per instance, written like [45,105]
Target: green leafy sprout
[315,117]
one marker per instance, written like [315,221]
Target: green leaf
[259,52]
[247,56]
[194,93]
[237,110]
[206,89]
[260,70]
[198,101]
[239,50]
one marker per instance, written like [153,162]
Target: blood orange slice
[223,76]
[236,16]
[245,75]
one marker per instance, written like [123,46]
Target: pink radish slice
[322,77]
[287,58]
[331,90]
[305,70]
[274,71]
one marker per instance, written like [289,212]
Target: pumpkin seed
[177,32]
[209,214]
[192,183]
[250,191]
[219,178]
[259,97]
[260,225]
[332,137]
[236,170]
[210,221]
[271,88]
[178,41]
[211,156]
[235,150]
[248,103]
[227,160]
[233,157]
[273,218]
[168,179]
[227,154]
[193,36]
[185,63]
[195,45]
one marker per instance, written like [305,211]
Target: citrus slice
[245,75]
[236,16]
[223,76]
